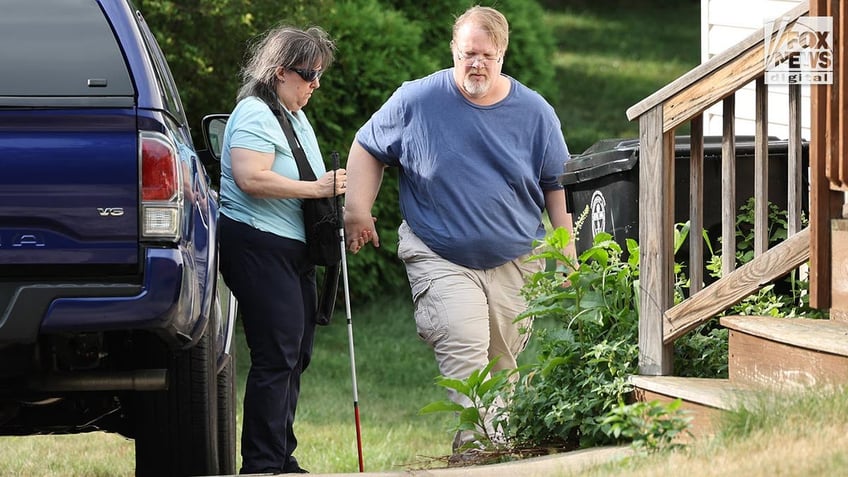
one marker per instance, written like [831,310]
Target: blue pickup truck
[112,314]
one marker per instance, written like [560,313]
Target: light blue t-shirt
[253,126]
[471,177]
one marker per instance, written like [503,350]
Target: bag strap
[303,167]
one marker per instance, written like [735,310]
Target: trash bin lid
[605,157]
[610,156]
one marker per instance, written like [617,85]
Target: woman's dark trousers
[274,286]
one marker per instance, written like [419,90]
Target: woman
[262,250]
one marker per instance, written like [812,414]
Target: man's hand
[359,230]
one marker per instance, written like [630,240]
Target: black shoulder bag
[322,220]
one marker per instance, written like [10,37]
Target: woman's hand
[325,183]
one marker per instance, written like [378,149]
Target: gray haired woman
[262,238]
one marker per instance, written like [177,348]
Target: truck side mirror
[213,134]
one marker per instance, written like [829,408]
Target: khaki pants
[466,315]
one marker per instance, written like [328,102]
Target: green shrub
[649,426]
[381,43]
[572,395]
[786,297]
[582,367]
[702,352]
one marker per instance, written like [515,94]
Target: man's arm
[364,177]
[555,205]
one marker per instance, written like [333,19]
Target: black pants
[275,288]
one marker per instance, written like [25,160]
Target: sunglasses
[308,75]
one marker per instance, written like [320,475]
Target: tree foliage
[380,43]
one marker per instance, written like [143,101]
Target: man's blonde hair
[490,20]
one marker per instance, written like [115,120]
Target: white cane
[335,156]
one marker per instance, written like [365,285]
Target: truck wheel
[176,430]
[227,417]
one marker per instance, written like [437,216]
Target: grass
[795,435]
[395,379]
[801,434]
[91,455]
[612,54]
[395,373]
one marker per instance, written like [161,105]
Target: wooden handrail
[682,101]
[712,80]
[731,289]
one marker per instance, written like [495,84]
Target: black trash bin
[605,178]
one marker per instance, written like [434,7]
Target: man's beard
[476,88]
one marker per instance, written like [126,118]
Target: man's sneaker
[467,457]
[463,440]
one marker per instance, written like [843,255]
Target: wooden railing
[681,102]
[829,169]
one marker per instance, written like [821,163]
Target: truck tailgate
[69,187]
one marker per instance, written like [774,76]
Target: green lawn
[613,54]
[395,373]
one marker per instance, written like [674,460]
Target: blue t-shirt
[253,126]
[471,177]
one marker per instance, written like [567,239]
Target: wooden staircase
[765,354]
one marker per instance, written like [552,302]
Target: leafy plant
[777,227]
[582,368]
[555,404]
[702,352]
[484,415]
[785,298]
[650,426]
[600,299]
[573,394]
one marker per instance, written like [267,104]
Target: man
[479,155]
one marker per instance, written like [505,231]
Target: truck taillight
[161,195]
[158,168]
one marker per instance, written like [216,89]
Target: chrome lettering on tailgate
[110,211]
[23,240]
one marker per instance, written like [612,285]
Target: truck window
[59,48]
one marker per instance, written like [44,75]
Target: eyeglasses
[483,60]
[308,75]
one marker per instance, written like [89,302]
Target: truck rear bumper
[167,301]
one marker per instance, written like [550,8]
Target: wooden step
[704,398]
[786,353]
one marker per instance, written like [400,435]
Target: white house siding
[725,23]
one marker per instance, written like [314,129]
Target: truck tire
[227,416]
[176,430]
